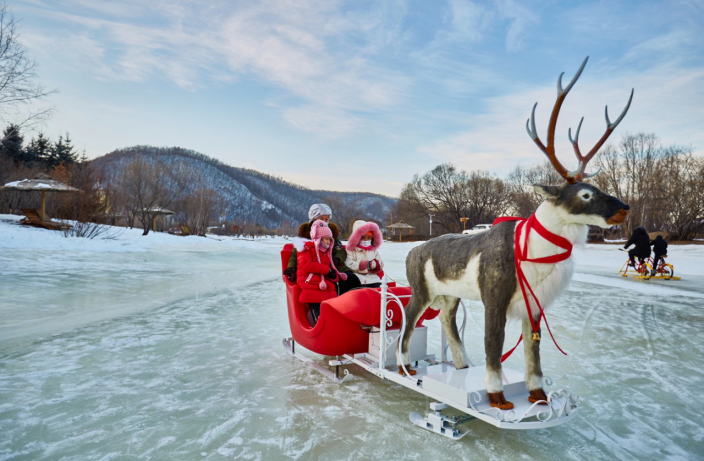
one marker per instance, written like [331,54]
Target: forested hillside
[249,196]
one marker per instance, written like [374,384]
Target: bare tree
[344,213]
[149,185]
[199,209]
[679,179]
[439,192]
[487,197]
[450,194]
[119,204]
[664,186]
[627,172]
[523,198]
[19,90]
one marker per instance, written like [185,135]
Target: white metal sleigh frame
[460,389]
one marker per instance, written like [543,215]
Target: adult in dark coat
[640,239]
[317,211]
[660,249]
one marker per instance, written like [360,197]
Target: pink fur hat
[359,228]
[318,231]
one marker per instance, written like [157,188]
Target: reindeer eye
[586,196]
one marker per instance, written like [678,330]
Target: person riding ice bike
[640,239]
[660,249]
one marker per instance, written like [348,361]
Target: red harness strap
[521,255]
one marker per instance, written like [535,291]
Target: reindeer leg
[534,373]
[494,333]
[448,319]
[414,311]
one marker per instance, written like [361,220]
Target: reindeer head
[578,202]
[582,203]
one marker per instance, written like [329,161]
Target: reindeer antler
[610,127]
[549,150]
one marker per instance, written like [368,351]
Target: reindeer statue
[515,272]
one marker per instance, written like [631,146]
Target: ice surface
[165,347]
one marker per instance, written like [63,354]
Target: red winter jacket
[310,285]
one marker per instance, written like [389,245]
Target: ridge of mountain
[250,195]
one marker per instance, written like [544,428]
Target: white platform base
[465,390]
[460,389]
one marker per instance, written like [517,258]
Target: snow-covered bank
[194,370]
[50,283]
[119,239]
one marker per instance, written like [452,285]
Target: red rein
[522,255]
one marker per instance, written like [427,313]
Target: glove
[331,274]
[290,273]
[363,265]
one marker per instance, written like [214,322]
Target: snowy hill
[250,195]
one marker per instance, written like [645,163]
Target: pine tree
[62,152]
[38,149]
[12,144]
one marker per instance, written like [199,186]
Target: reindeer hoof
[411,371]
[538,395]
[497,400]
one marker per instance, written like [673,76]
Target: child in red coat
[316,274]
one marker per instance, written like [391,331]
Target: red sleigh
[344,321]
[355,330]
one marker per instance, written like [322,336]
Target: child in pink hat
[316,273]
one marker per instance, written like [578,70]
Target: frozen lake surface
[164,347]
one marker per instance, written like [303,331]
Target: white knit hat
[317,210]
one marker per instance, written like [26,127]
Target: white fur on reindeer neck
[547,280]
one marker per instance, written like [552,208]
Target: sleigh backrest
[285,255]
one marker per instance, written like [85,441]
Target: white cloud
[316,51]
[328,57]
[668,101]
[326,122]
[522,19]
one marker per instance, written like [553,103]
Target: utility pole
[431,223]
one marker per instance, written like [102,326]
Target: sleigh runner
[362,328]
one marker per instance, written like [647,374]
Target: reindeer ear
[548,192]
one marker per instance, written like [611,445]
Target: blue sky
[360,95]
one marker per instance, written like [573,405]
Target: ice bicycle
[643,269]
[362,327]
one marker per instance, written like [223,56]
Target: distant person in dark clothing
[660,249]
[640,239]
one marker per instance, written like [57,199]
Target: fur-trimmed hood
[359,228]
[304,230]
[300,242]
